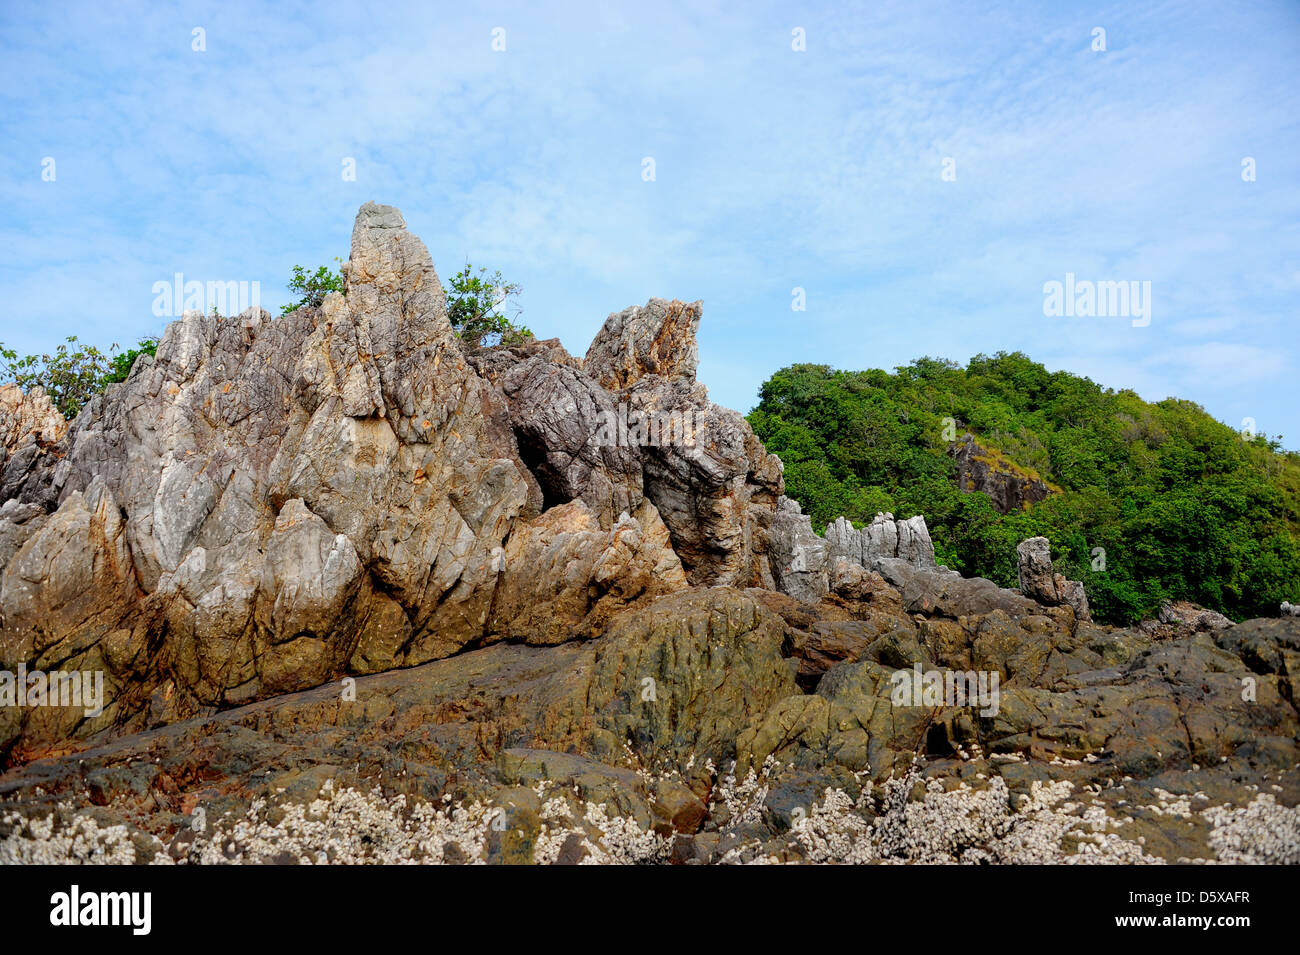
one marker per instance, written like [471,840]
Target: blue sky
[774,169]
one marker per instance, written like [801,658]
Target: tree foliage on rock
[483,308]
[313,287]
[1159,502]
[74,373]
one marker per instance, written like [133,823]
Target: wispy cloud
[774,169]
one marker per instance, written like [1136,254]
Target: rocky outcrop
[337,559]
[1039,582]
[715,725]
[658,338]
[907,540]
[714,484]
[267,505]
[1008,486]
[1183,613]
[806,566]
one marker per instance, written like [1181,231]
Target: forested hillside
[1181,506]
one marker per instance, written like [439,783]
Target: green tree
[74,373]
[1152,501]
[483,308]
[314,286]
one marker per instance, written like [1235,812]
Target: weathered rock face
[713,482]
[267,505]
[1039,582]
[907,540]
[30,413]
[797,556]
[980,470]
[658,338]
[556,412]
[30,429]
[563,577]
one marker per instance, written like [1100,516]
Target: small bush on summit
[478,306]
[315,286]
[482,308]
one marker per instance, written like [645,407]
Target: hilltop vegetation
[1181,506]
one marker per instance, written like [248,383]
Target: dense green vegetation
[1182,506]
[74,373]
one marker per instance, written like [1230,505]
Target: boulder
[563,577]
[1187,614]
[1039,582]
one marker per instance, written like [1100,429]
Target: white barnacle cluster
[906,820]
[961,824]
[556,826]
[1167,804]
[742,799]
[66,836]
[943,825]
[622,841]
[601,838]
[835,831]
[1263,832]
[346,826]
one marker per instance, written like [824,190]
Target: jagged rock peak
[804,564]
[658,338]
[885,536]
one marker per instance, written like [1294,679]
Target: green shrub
[74,373]
[478,306]
[314,287]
